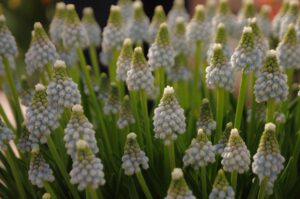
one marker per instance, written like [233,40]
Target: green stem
[61,166]
[143,184]
[94,60]
[16,174]
[252,127]
[297,118]
[49,71]
[171,156]
[113,66]
[220,112]
[12,87]
[203,182]
[91,193]
[96,106]
[160,78]
[270,110]
[262,189]
[241,100]
[196,90]
[234,180]
[145,114]
[50,190]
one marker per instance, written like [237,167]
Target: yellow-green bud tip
[131,136]
[77,108]
[168,91]
[177,174]
[59,64]
[270,126]
[39,87]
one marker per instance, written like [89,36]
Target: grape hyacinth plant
[99,102]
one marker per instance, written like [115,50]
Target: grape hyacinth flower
[41,52]
[271,84]
[26,92]
[74,34]
[41,116]
[279,118]
[79,128]
[125,116]
[219,70]
[268,162]
[178,187]
[68,56]
[161,52]
[112,104]
[113,33]
[205,120]
[210,9]
[179,71]
[199,29]
[92,27]
[246,56]
[39,170]
[221,38]
[221,187]
[124,60]
[220,146]
[288,50]
[261,42]
[134,158]
[126,9]
[24,142]
[6,135]
[168,119]
[138,24]
[104,87]
[236,156]
[178,10]
[87,169]
[46,196]
[179,40]
[58,21]
[8,44]
[200,153]
[247,11]
[225,16]
[139,76]
[291,16]
[62,91]
[263,20]
[158,18]
[277,20]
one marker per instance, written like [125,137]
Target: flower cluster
[158,18]
[178,10]
[124,60]
[39,170]
[236,156]
[79,128]
[134,158]
[221,188]
[268,162]
[178,187]
[168,119]
[200,152]
[92,28]
[179,39]
[125,116]
[290,17]
[6,135]
[112,104]
[220,146]
[24,142]
[205,120]
[271,84]
[86,168]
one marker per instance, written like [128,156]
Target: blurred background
[21,14]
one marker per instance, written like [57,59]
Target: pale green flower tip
[71,14]
[201,136]
[115,16]
[178,4]
[293,8]
[270,127]
[199,14]
[35,150]
[139,57]
[138,11]
[169,91]
[114,89]
[180,26]
[131,136]
[265,10]
[221,34]
[162,37]
[59,64]
[60,10]
[46,196]
[124,2]
[205,101]
[39,30]
[271,62]
[77,108]
[247,39]
[220,180]
[159,14]
[218,54]
[126,98]
[40,87]
[88,15]
[127,49]
[235,139]
[223,7]
[249,9]
[177,174]
[290,36]
[2,19]
[253,24]
[81,145]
